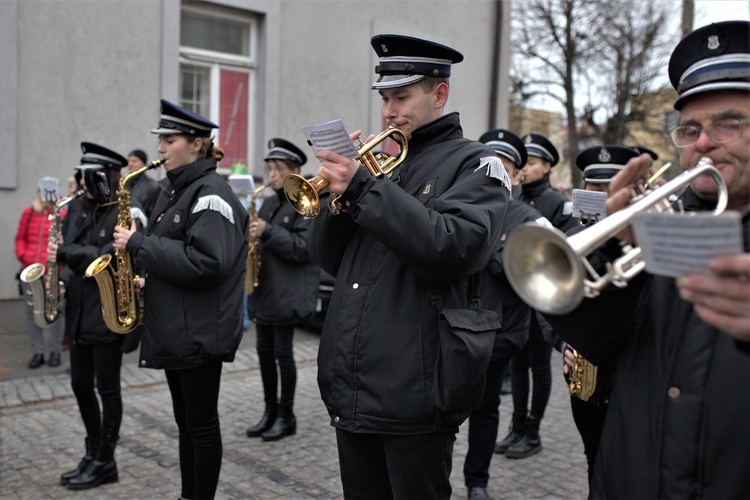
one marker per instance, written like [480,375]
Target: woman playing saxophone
[286,292]
[194,255]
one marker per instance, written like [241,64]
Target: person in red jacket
[31,247]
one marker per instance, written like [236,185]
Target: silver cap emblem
[604,156]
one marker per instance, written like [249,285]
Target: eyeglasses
[720,132]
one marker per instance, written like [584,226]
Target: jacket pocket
[466,340]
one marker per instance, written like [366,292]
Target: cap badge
[383,47]
[527,139]
[499,135]
[604,156]
[713,42]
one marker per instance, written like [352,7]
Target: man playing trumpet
[676,425]
[398,244]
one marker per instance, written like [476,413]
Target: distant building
[91,70]
[525,120]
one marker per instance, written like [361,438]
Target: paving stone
[41,436]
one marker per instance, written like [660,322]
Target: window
[218,35]
[217,73]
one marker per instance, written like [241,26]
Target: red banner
[233,117]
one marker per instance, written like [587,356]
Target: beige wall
[91,70]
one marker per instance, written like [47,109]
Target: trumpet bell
[303,194]
[544,269]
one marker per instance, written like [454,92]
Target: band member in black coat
[287,291]
[194,255]
[677,423]
[402,249]
[523,439]
[598,165]
[95,351]
[497,295]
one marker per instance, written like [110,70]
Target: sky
[705,12]
[711,11]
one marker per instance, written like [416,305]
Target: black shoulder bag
[466,339]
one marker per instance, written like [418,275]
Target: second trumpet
[304,194]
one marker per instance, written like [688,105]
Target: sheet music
[243,186]
[49,188]
[591,203]
[677,244]
[330,136]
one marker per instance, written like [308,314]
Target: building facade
[94,70]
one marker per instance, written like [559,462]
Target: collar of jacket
[444,128]
[182,177]
[534,189]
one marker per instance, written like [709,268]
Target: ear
[547,167]
[441,94]
[196,145]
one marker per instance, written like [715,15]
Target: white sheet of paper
[330,136]
[677,244]
[242,185]
[49,188]
[591,203]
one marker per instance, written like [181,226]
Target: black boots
[285,425]
[37,360]
[54,359]
[92,446]
[101,470]
[266,421]
[529,444]
[516,432]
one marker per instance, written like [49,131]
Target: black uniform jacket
[550,203]
[288,281]
[194,255]
[677,425]
[498,295]
[436,222]
[145,191]
[91,237]
[87,237]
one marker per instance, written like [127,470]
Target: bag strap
[472,293]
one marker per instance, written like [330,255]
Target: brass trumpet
[304,194]
[550,271]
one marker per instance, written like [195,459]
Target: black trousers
[385,466]
[195,400]
[274,345]
[483,422]
[589,419]
[96,369]
[535,355]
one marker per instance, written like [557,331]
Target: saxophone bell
[44,286]
[119,289]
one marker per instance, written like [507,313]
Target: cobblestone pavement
[41,436]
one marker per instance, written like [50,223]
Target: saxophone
[45,288]
[582,377]
[119,289]
[252,275]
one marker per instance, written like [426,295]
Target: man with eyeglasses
[677,424]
